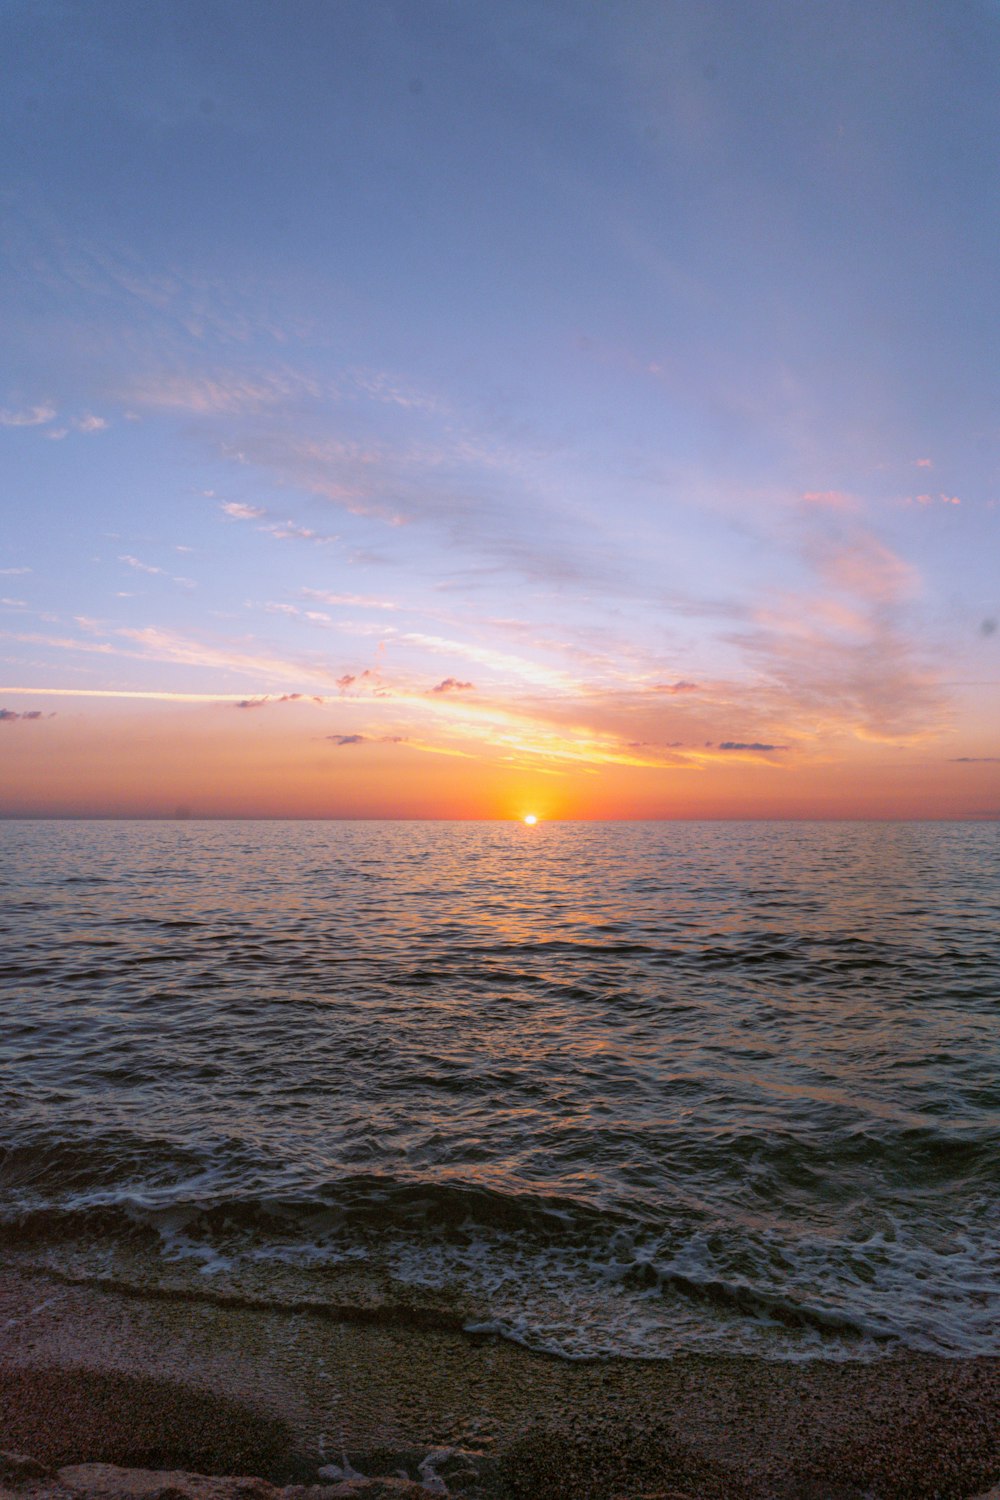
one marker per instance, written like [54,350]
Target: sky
[444,409]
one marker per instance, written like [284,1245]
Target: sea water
[601,1088]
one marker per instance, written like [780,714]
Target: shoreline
[88,1375]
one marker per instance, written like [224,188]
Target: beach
[90,1375]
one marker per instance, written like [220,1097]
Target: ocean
[598,1088]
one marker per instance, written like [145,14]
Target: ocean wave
[549,1272]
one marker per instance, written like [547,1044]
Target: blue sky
[631,369]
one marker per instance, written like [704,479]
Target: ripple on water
[629,1087]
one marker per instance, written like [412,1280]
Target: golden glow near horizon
[530,819]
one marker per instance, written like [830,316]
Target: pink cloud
[242,512]
[32,416]
[867,568]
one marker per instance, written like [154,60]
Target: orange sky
[279,760]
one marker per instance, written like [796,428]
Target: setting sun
[530,819]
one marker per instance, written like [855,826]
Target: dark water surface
[601,1088]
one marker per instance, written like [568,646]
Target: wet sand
[90,1375]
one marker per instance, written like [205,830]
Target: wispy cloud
[227,392]
[367,739]
[753,745]
[291,531]
[8,716]
[30,416]
[452,685]
[863,566]
[356,601]
[151,643]
[925,499]
[396,391]
[504,663]
[281,698]
[241,512]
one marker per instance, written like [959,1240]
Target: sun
[530,819]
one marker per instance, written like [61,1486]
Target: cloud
[926,499]
[356,601]
[366,739]
[827,672]
[749,745]
[520,668]
[266,700]
[452,685]
[676,687]
[242,512]
[866,567]
[391,390]
[32,416]
[140,567]
[8,716]
[923,463]
[90,424]
[11,572]
[367,678]
[154,644]
[225,393]
[291,531]
[975,760]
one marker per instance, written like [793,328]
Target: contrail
[131,693]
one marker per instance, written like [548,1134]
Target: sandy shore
[90,1376]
